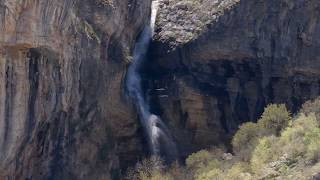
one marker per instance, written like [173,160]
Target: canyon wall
[215,71]
[63,112]
[214,65]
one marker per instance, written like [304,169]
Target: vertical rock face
[251,54]
[62,110]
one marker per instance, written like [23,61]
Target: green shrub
[274,119]
[245,140]
[180,172]
[312,106]
[214,174]
[198,159]
[202,162]
[295,140]
[263,153]
[312,141]
[239,171]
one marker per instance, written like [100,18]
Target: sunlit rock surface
[63,114]
[180,21]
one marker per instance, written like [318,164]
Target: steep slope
[63,114]
[244,55]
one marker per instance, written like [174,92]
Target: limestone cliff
[63,114]
[214,64]
[214,74]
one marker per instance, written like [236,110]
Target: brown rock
[63,114]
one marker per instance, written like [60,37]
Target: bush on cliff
[276,147]
[245,140]
[312,107]
[274,119]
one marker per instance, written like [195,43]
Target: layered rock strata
[63,113]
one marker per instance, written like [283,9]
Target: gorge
[89,88]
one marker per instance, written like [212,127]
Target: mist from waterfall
[159,138]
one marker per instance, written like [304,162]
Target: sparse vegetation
[90,32]
[276,147]
[127,57]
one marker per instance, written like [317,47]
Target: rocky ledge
[182,21]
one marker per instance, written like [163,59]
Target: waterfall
[159,138]
[154,12]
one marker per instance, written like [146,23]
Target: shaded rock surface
[63,113]
[255,53]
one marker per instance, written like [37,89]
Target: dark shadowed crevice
[33,76]
[8,101]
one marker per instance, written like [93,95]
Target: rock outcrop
[182,21]
[253,54]
[63,113]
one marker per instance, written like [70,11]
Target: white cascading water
[159,138]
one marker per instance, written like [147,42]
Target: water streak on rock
[159,138]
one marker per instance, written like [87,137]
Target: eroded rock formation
[253,54]
[63,113]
